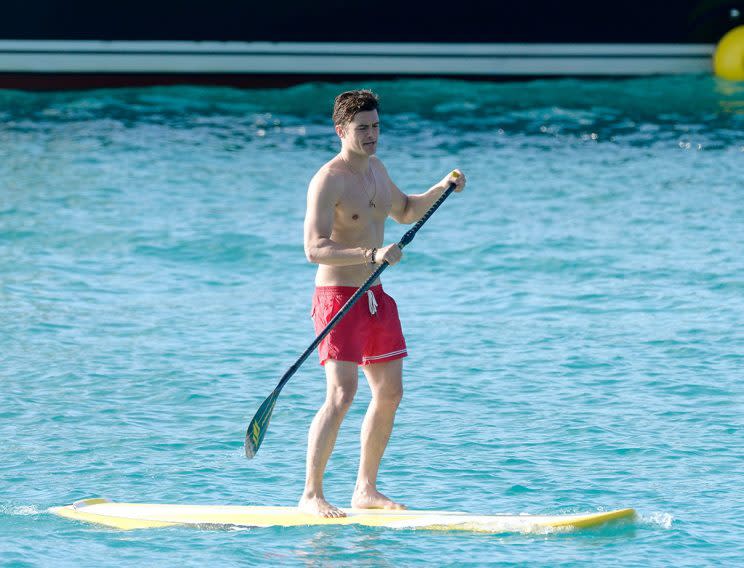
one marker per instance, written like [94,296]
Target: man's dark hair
[350,103]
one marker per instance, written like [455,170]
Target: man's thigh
[341,376]
[385,379]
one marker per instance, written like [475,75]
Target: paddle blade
[258,426]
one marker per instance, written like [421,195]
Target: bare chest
[362,205]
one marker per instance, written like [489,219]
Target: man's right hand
[391,253]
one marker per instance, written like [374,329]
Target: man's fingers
[393,254]
[458,178]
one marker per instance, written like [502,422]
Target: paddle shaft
[407,238]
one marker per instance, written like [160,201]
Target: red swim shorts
[369,333]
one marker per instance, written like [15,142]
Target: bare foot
[373,499]
[319,507]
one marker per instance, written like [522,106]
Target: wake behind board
[140,515]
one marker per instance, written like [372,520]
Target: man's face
[361,134]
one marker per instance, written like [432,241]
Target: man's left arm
[408,209]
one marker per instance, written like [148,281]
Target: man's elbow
[409,216]
[312,253]
[402,219]
[406,216]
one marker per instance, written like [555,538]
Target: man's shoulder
[328,178]
[332,169]
[376,163]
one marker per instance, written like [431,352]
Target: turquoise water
[573,319]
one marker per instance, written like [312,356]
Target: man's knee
[340,397]
[389,395]
[342,384]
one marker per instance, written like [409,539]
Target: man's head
[350,103]
[356,120]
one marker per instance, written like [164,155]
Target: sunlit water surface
[574,319]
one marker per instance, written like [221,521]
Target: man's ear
[340,130]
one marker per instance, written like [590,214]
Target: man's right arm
[322,196]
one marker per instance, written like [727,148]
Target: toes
[333,514]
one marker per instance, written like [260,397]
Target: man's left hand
[456,177]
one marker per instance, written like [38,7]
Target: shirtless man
[348,200]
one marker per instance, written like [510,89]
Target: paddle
[260,423]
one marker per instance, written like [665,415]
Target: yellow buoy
[728,60]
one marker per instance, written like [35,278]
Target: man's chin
[370,149]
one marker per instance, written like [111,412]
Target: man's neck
[359,163]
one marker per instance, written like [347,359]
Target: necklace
[364,183]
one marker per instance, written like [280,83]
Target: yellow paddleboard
[141,515]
